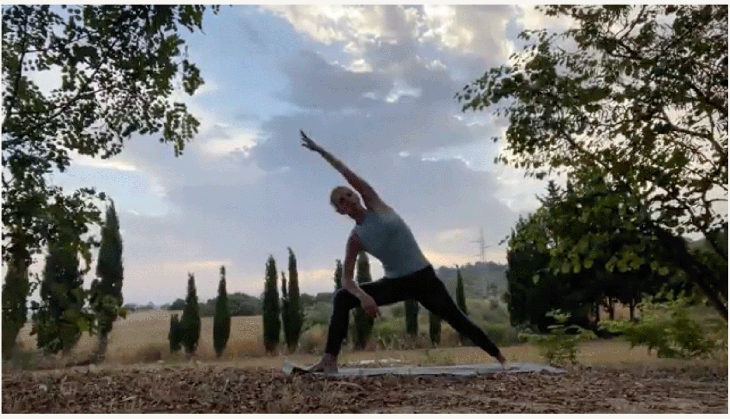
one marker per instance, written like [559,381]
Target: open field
[142,338]
[141,376]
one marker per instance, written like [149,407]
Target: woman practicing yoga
[380,231]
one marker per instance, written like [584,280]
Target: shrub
[313,339]
[411,309]
[560,345]
[434,328]
[175,334]
[398,311]
[667,328]
[501,334]
[318,314]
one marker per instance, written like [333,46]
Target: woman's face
[344,200]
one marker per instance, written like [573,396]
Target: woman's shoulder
[381,208]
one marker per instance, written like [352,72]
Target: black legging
[422,286]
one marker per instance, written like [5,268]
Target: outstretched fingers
[308,142]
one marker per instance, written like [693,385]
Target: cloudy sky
[373,85]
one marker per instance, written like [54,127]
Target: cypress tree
[62,299]
[296,315]
[285,319]
[338,275]
[190,321]
[411,308]
[272,323]
[460,299]
[222,317]
[363,323]
[434,328]
[174,335]
[106,292]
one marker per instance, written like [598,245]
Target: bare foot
[327,365]
[503,361]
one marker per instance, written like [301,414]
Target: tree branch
[16,82]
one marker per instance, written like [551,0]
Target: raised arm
[369,196]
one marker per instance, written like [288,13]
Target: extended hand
[369,306]
[308,143]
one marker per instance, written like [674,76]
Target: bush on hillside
[667,328]
[560,345]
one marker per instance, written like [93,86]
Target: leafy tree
[362,322]
[434,328]
[667,327]
[591,216]
[222,318]
[542,278]
[16,288]
[338,275]
[411,310]
[244,305]
[295,310]
[62,295]
[106,291]
[65,218]
[190,320]
[635,95]
[115,66]
[562,343]
[272,322]
[285,319]
[178,304]
[175,334]
[528,301]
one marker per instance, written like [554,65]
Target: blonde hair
[337,189]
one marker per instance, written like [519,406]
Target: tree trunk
[632,305]
[698,272]
[100,352]
[15,290]
[611,309]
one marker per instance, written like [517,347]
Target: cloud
[316,280]
[478,30]
[460,234]
[530,17]
[353,24]
[375,86]
[114,163]
[206,264]
[315,83]
[223,139]
[387,36]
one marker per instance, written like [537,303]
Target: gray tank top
[387,237]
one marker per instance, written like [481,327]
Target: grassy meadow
[141,338]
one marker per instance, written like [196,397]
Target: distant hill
[480,279]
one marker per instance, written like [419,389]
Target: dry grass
[142,338]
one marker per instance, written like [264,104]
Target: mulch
[211,389]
